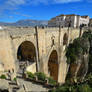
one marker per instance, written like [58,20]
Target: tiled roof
[85,16]
[68,15]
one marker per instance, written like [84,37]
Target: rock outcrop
[4,85]
[80,54]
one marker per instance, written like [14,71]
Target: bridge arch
[53,65]
[26,52]
[65,39]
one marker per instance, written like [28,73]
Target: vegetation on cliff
[79,47]
[79,58]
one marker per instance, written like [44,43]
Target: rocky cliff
[79,56]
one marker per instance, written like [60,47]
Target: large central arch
[26,52]
[53,65]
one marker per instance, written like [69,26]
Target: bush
[89,79]
[90,63]
[68,82]
[79,88]
[71,54]
[3,76]
[77,48]
[65,88]
[15,79]
[51,81]
[52,90]
[84,88]
[62,89]
[41,76]
[30,75]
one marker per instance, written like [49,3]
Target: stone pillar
[41,49]
[37,49]
[63,67]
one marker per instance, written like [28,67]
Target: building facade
[90,23]
[66,20]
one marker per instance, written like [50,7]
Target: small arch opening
[65,39]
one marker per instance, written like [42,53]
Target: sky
[14,10]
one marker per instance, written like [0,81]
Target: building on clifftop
[64,20]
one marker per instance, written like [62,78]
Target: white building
[1,28]
[90,23]
[64,20]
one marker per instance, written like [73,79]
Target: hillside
[27,22]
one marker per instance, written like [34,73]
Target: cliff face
[78,59]
[79,69]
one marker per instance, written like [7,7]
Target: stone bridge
[44,46]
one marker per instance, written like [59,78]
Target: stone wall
[6,51]
[31,68]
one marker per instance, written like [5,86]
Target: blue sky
[14,10]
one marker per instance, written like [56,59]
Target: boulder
[4,85]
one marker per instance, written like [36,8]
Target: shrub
[73,90]
[62,89]
[87,34]
[15,79]
[52,90]
[90,63]
[51,81]
[30,75]
[65,88]
[3,76]
[76,49]
[89,79]
[68,81]
[41,76]
[71,54]
[84,88]
[68,60]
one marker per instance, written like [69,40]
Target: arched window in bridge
[65,39]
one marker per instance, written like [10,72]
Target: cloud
[36,2]
[14,5]
[15,2]
[9,6]
[89,1]
[24,15]
[66,1]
